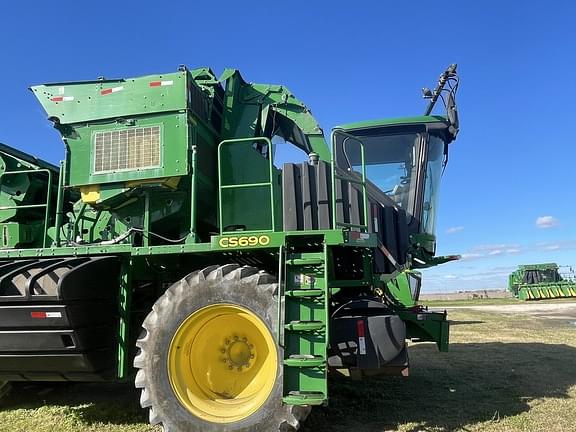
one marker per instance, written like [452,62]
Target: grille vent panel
[127,149]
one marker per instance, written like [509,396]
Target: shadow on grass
[468,322]
[475,382]
[88,403]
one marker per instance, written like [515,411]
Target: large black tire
[229,284]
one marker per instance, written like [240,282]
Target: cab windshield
[391,164]
[406,166]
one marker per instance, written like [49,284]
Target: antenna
[450,72]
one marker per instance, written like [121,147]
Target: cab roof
[391,122]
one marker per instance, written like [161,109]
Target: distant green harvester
[541,281]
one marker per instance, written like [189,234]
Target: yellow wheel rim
[222,363]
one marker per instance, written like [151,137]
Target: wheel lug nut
[235,338]
[251,356]
[244,339]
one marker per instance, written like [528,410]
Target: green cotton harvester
[173,247]
[542,281]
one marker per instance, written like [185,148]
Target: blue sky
[514,161]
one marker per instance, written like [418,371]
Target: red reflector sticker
[161,83]
[62,98]
[42,315]
[111,90]
[361,336]
[360,328]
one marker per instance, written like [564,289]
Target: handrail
[193,194]
[247,185]
[281,289]
[363,226]
[46,205]
[59,203]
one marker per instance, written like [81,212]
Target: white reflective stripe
[362,345]
[166,83]
[53,314]
[67,98]
[117,89]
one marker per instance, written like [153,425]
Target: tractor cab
[403,162]
[398,164]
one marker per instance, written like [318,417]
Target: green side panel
[78,102]
[400,291]
[124,303]
[27,188]
[433,327]
[101,151]
[249,208]
[240,163]
[15,234]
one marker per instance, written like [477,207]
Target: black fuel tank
[59,318]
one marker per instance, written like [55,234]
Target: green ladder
[303,329]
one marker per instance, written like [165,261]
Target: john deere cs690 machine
[171,239]
[541,281]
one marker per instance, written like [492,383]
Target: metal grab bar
[46,205]
[363,226]
[246,185]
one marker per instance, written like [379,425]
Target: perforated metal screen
[127,149]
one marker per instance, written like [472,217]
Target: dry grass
[63,407]
[492,302]
[504,373]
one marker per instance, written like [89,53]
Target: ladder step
[305,361]
[305,326]
[305,262]
[305,398]
[305,293]
[314,255]
[305,258]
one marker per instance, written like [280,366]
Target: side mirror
[452,113]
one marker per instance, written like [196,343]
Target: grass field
[492,302]
[504,373]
